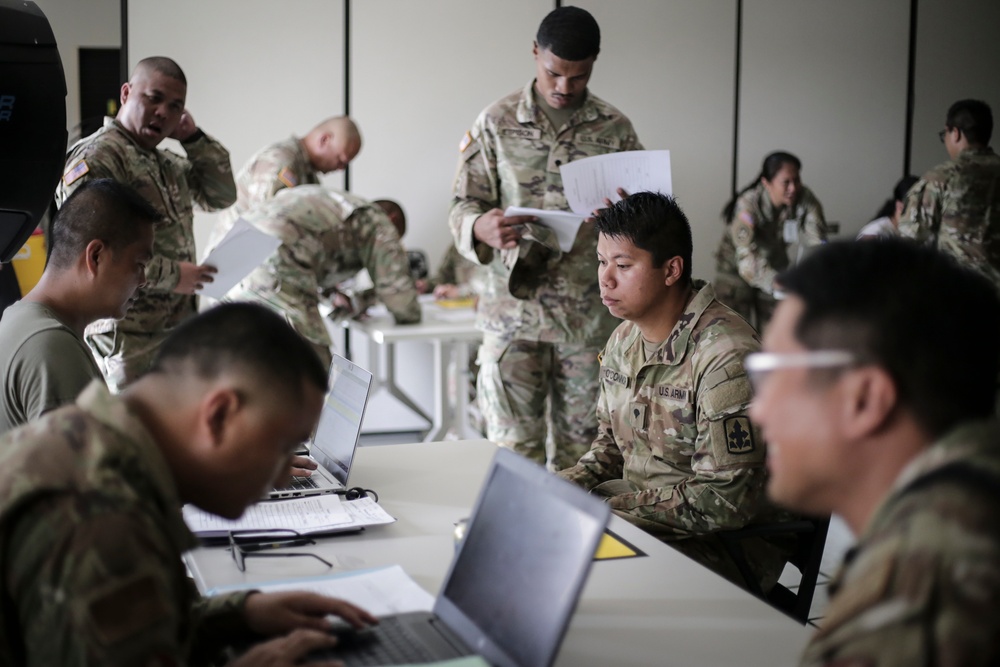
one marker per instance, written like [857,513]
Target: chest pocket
[671,426]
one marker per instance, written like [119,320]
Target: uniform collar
[113,413]
[528,111]
[671,351]
[111,123]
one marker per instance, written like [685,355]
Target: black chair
[811,539]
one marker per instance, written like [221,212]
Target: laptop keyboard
[298,484]
[387,643]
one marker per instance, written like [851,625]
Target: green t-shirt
[43,364]
[558,117]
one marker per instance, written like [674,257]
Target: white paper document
[383,591]
[308,516]
[588,182]
[241,250]
[563,223]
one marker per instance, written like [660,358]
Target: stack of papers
[314,515]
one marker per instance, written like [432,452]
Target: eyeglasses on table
[245,544]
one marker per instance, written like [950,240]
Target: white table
[449,331]
[662,609]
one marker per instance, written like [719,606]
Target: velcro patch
[672,393]
[743,232]
[287,177]
[465,142]
[520,132]
[78,171]
[614,377]
[739,435]
[637,416]
[608,142]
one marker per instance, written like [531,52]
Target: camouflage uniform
[326,237]
[91,570]
[172,184]
[544,342]
[922,586]
[274,168]
[675,452]
[753,250]
[957,207]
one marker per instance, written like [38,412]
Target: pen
[260,546]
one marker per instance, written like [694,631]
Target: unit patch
[739,435]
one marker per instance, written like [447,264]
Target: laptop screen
[522,565]
[339,424]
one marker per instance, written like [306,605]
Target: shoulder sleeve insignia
[739,435]
[465,142]
[78,171]
[746,217]
[287,177]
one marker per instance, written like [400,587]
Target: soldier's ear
[869,399]
[218,412]
[673,270]
[126,89]
[95,255]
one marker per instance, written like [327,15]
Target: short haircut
[390,208]
[653,222]
[974,119]
[163,65]
[570,33]
[933,325]
[246,336]
[103,209]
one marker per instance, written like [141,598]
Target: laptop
[337,433]
[512,587]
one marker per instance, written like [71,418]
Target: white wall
[90,24]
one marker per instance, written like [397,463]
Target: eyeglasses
[243,549]
[761,364]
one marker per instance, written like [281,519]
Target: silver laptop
[337,432]
[514,583]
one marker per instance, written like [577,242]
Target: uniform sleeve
[726,488]
[92,585]
[95,161]
[604,461]
[476,190]
[210,173]
[921,216]
[386,261]
[49,371]
[751,259]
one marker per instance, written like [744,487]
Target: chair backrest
[811,541]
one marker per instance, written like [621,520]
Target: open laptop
[514,583]
[337,432]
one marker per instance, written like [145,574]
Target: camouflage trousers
[755,306]
[122,356]
[531,392]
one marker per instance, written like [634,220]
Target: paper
[563,223]
[382,591]
[587,182]
[240,251]
[308,516]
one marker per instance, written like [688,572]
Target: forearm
[210,173]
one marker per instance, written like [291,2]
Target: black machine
[32,121]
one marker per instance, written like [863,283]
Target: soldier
[769,224]
[125,149]
[326,237]
[456,276]
[886,222]
[956,205]
[675,453]
[866,418]
[540,312]
[90,499]
[328,147]
[102,240]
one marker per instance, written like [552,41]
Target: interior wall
[827,82]
[278,74]
[92,24]
[958,54]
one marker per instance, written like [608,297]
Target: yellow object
[29,262]
[612,546]
[459,302]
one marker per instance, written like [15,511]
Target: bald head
[161,65]
[332,144]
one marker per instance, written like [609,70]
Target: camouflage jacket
[91,570]
[173,185]
[511,157]
[957,207]
[276,167]
[922,586]
[326,238]
[754,246]
[675,427]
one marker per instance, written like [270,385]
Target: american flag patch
[287,177]
[76,173]
[465,143]
[745,217]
